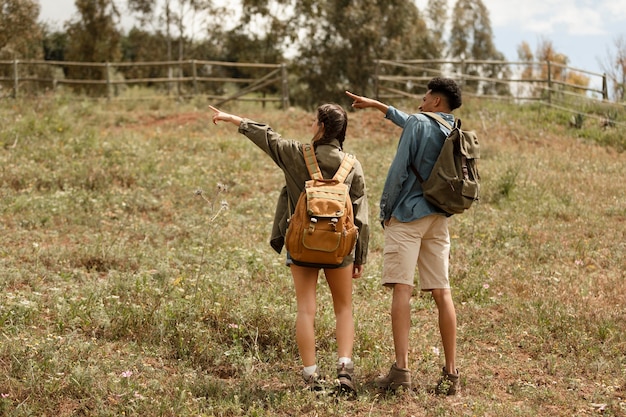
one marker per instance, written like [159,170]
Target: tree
[615,68]
[143,46]
[552,65]
[547,55]
[471,38]
[170,15]
[340,40]
[437,13]
[555,64]
[54,45]
[19,30]
[525,54]
[93,37]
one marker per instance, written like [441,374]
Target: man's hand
[361,102]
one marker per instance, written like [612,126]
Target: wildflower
[224,204]
[3,395]
[435,351]
[486,286]
[221,188]
[127,374]
[198,192]
[578,262]
[233,326]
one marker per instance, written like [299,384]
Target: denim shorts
[346,261]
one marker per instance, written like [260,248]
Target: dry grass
[124,292]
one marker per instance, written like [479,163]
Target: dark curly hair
[448,88]
[335,122]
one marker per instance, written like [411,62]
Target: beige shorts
[423,242]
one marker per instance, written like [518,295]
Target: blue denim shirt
[402,195]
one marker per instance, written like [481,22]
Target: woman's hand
[219,115]
[357,271]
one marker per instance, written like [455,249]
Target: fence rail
[190,77]
[269,83]
[422,70]
[517,81]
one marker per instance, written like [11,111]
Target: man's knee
[442,295]
[402,290]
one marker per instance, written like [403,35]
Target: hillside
[136,277]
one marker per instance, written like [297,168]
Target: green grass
[126,291]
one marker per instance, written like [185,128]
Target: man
[416,232]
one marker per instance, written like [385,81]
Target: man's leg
[402,246]
[401,322]
[447,326]
[399,374]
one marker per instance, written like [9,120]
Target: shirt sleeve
[399,170]
[398,117]
[358,195]
[282,151]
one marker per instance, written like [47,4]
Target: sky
[583,30]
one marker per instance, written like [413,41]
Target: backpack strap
[441,120]
[457,125]
[417,174]
[344,169]
[311,162]
[314,169]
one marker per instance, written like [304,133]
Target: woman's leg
[340,284]
[305,283]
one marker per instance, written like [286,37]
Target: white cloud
[576,17]
[581,29]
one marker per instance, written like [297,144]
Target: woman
[329,132]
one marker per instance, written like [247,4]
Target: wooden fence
[502,80]
[183,78]
[268,82]
[498,73]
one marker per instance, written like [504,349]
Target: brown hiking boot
[345,375]
[449,384]
[396,378]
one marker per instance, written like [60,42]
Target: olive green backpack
[454,183]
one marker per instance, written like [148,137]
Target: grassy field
[136,277]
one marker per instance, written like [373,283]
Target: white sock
[309,370]
[345,360]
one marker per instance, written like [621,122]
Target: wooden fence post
[605,88]
[179,84]
[108,79]
[549,82]
[15,78]
[194,75]
[285,87]
[376,75]
[462,72]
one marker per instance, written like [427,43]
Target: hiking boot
[449,384]
[345,375]
[396,378]
[314,382]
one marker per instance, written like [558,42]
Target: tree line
[329,45]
